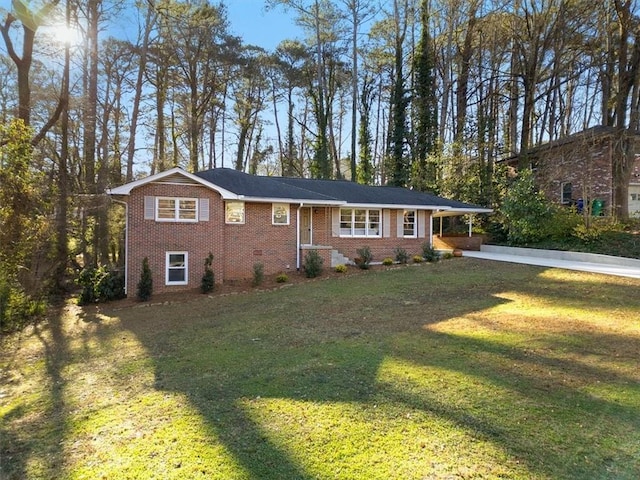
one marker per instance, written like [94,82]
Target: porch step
[338,259]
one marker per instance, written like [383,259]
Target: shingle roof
[338,191]
[257,186]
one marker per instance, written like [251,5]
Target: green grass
[461,369]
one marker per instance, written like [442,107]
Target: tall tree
[624,112]
[149,23]
[250,95]
[321,20]
[290,57]
[399,167]
[365,168]
[358,12]
[425,107]
[198,35]
[31,20]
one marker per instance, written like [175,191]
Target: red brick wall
[380,247]
[587,166]
[236,248]
[151,239]
[259,241]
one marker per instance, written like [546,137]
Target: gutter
[298,236]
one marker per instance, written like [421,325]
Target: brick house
[175,218]
[578,168]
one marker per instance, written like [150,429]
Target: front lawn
[461,369]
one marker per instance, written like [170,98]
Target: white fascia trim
[128,187]
[393,206]
[297,201]
[451,211]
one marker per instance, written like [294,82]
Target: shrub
[313,264]
[282,278]
[258,274]
[16,307]
[341,268]
[208,279]
[429,253]
[388,261]
[562,223]
[526,211]
[447,255]
[145,285]
[418,259]
[100,285]
[365,257]
[401,255]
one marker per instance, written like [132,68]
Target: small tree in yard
[145,285]
[208,279]
[526,211]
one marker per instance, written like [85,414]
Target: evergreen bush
[145,285]
[208,279]
[365,257]
[100,284]
[258,274]
[312,264]
[429,253]
[401,255]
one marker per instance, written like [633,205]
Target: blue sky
[249,20]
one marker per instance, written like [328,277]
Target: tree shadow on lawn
[29,437]
[339,360]
[543,403]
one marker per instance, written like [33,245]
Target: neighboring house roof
[590,134]
[233,184]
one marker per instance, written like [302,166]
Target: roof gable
[174,175]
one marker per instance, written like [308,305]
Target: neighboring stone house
[176,219]
[578,168]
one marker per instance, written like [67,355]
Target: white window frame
[414,225]
[169,268]
[280,209]
[369,230]
[228,209]
[177,209]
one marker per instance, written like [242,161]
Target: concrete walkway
[586,262]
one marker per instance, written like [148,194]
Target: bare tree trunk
[142,65]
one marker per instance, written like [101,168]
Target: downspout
[298,237]
[126,242]
[431,228]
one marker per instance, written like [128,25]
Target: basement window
[177,268]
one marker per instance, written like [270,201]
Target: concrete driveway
[586,262]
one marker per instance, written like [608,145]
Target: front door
[634,200]
[305,226]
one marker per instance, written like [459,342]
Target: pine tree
[365,169]
[425,105]
[398,162]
